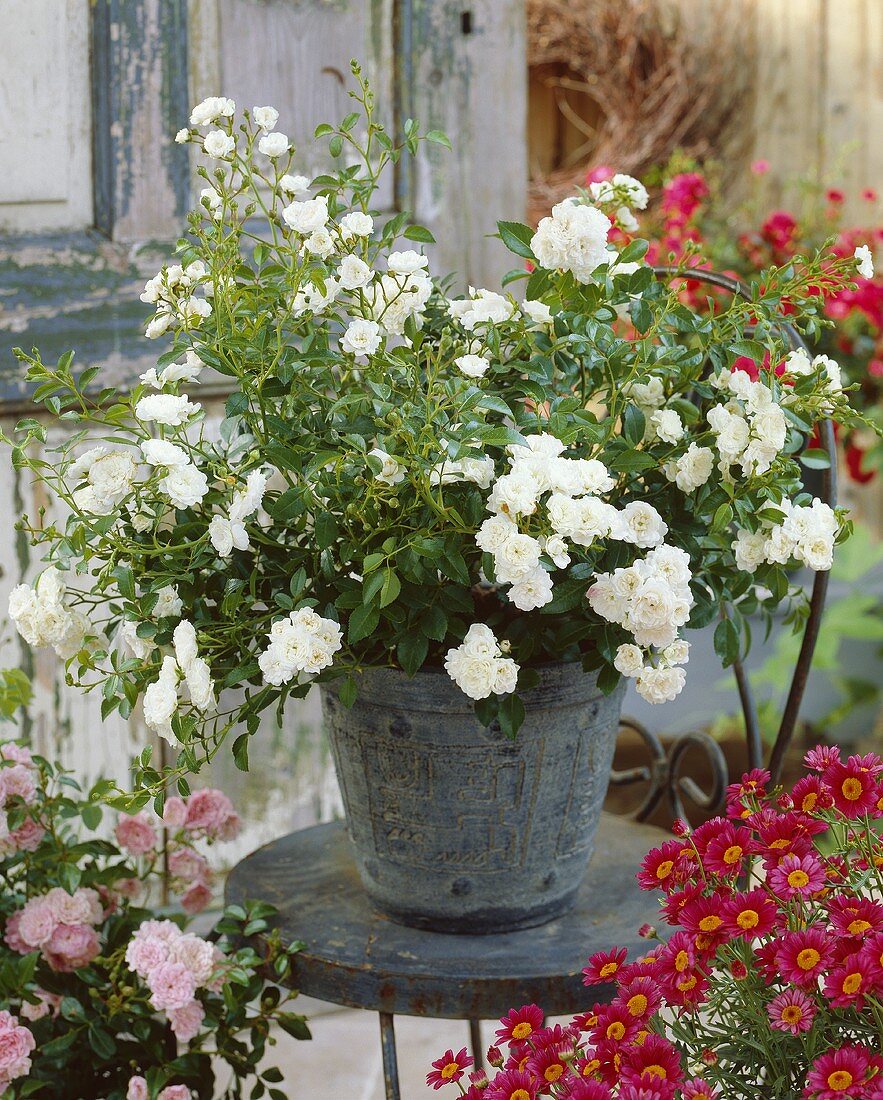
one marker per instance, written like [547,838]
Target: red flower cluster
[772,981]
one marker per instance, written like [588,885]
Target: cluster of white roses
[42,617]
[806,534]
[651,599]
[574,237]
[574,510]
[302,642]
[185,669]
[228,531]
[751,428]
[478,667]
[172,291]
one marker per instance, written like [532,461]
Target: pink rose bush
[96,984]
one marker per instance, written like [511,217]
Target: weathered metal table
[355,957]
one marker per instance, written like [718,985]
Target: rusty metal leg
[475,1043]
[390,1062]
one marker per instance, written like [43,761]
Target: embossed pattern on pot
[456,827]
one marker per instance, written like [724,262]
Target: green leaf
[348,691]
[816,459]
[125,581]
[510,714]
[419,233]
[392,586]
[240,752]
[633,424]
[438,137]
[751,349]
[434,623]
[362,623]
[293,1025]
[641,315]
[411,652]
[726,641]
[517,237]
[91,815]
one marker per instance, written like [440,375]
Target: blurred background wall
[93,189]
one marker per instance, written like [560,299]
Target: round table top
[354,956]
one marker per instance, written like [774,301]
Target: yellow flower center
[522,1030]
[781,843]
[656,1071]
[687,984]
[609,968]
[520,1094]
[748,918]
[840,1080]
[554,1072]
[637,1005]
[798,879]
[852,983]
[809,802]
[710,923]
[449,1070]
[590,1067]
[808,958]
[852,789]
[682,961]
[616,1030]
[857,927]
[792,1014]
[733,854]
[664,869]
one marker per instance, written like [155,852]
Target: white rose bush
[483,483]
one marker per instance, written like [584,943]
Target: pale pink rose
[17,782]
[128,888]
[186,1021]
[81,907]
[171,986]
[16,1044]
[37,922]
[135,834]
[196,954]
[165,930]
[27,837]
[174,812]
[231,828]
[13,937]
[196,898]
[71,946]
[189,866]
[47,1002]
[219,970]
[137,1089]
[17,753]
[175,1092]
[207,811]
[145,954]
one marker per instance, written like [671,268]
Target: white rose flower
[505,676]
[515,494]
[406,263]
[646,395]
[159,452]
[626,220]
[473,366]
[831,369]
[182,136]
[265,117]
[356,224]
[159,325]
[494,532]
[274,145]
[361,338]
[295,185]
[354,273]
[161,699]
[531,591]
[798,361]
[864,261]
[210,109]
[641,524]
[224,534]
[480,641]
[538,312]
[477,668]
[518,556]
[693,468]
[629,660]
[555,548]
[218,144]
[678,653]
[301,643]
[667,425]
[392,471]
[320,243]
[660,685]
[166,408]
[482,307]
[307,216]
[185,486]
[574,239]
[169,604]
[138,647]
[184,642]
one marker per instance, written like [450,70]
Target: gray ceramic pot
[456,827]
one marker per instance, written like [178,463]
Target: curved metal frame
[663,771]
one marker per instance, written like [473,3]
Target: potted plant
[770,983]
[466,518]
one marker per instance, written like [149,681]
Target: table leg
[475,1042]
[390,1062]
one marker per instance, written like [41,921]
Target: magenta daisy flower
[697,1089]
[797,876]
[519,1023]
[792,1011]
[802,956]
[448,1068]
[603,966]
[838,1074]
[512,1084]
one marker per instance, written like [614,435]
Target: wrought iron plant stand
[355,957]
